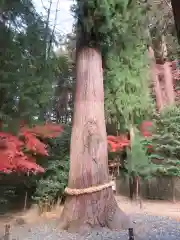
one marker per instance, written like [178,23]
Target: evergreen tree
[138,164]
[26,72]
[127,84]
[128,99]
[166,142]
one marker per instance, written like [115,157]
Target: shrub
[51,186]
[166,142]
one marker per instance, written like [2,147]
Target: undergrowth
[50,187]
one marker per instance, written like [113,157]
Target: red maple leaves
[12,154]
[118,143]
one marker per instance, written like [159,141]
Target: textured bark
[156,82]
[168,80]
[131,188]
[176,12]
[88,157]
[133,177]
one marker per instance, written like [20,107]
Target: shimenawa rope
[75,192]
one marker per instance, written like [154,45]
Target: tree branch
[168,4]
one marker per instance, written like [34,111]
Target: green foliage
[51,186]
[127,92]
[13,189]
[138,162]
[105,23]
[27,70]
[119,29]
[166,141]
[127,95]
[62,104]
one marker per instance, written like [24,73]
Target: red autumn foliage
[12,156]
[118,143]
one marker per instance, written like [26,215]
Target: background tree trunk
[155,80]
[168,78]
[175,7]
[131,188]
[88,157]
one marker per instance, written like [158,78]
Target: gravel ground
[147,228]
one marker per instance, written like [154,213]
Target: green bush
[166,142]
[138,162]
[50,187]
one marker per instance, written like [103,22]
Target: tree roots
[97,210]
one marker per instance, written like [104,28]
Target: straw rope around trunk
[76,192]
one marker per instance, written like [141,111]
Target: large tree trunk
[88,157]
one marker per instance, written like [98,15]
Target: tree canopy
[27,70]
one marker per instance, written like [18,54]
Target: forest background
[37,86]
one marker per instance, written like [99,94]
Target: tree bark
[155,79]
[175,7]
[173,189]
[168,79]
[88,157]
[131,188]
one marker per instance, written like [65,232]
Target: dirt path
[150,207]
[155,208]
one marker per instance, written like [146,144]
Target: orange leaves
[10,149]
[30,135]
[12,157]
[47,130]
[117,143]
[26,164]
[7,138]
[32,143]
